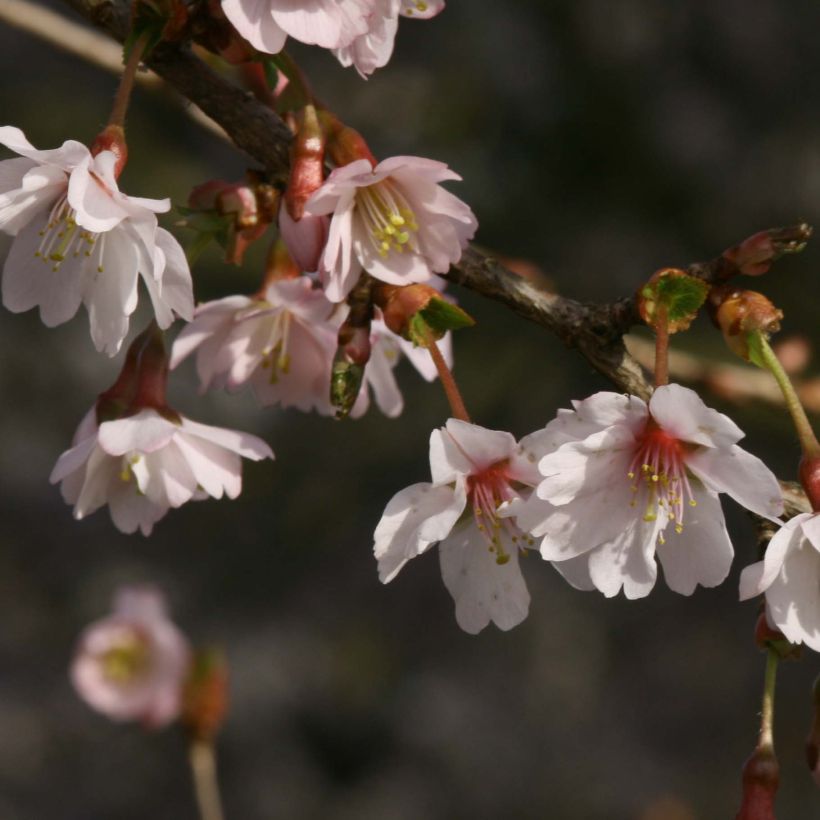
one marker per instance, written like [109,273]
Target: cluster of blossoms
[607,486]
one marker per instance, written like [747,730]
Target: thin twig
[203,768]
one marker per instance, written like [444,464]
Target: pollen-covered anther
[390,220]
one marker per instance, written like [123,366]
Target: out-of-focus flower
[281,343]
[475,473]
[78,239]
[144,464]
[374,48]
[395,221]
[623,480]
[132,664]
[266,24]
[789,576]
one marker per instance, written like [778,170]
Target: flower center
[487,490]
[275,354]
[658,470]
[127,660]
[63,238]
[388,217]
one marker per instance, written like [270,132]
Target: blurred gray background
[599,140]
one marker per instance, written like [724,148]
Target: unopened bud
[739,313]
[404,306]
[112,138]
[761,777]
[205,695]
[755,255]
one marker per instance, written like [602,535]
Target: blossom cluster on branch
[359,254]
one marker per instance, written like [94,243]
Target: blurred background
[598,140]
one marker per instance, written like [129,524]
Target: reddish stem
[129,73]
[446,376]
[661,348]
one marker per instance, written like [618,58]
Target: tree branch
[595,330]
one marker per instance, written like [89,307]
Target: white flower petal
[144,432]
[757,578]
[575,571]
[681,412]
[741,475]
[483,590]
[414,519]
[702,552]
[244,444]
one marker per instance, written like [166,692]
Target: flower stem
[202,757]
[129,73]
[766,739]
[446,376]
[661,347]
[808,441]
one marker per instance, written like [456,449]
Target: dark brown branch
[252,126]
[595,330]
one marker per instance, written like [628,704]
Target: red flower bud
[740,312]
[761,777]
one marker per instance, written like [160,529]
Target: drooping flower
[132,664]
[393,220]
[789,576]
[78,239]
[281,343]
[374,48]
[475,472]
[144,464]
[622,481]
[266,24]
[386,350]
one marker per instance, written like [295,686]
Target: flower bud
[761,777]
[740,312]
[755,255]
[205,695]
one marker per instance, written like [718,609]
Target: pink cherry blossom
[374,48]
[144,464]
[266,24]
[281,344]
[78,239]
[475,473]
[789,576]
[622,481]
[387,348]
[395,221]
[132,664]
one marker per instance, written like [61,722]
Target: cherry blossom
[789,575]
[281,343]
[266,24]
[622,481]
[144,464]
[393,220]
[132,664]
[387,349]
[475,473]
[374,48]
[78,239]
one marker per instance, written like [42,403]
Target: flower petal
[757,578]
[144,432]
[741,475]
[702,552]
[681,412]
[483,590]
